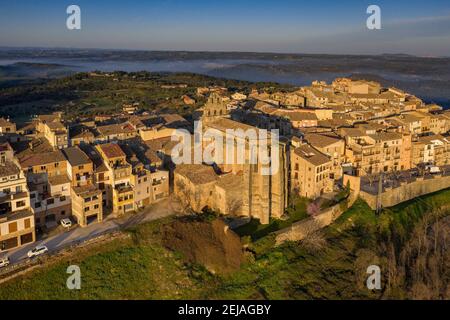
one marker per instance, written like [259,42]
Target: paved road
[56,242]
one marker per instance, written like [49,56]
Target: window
[86,209]
[20,204]
[63,212]
[12,227]
[37,205]
[81,167]
[62,198]
[27,223]
[96,206]
[50,201]
[19,189]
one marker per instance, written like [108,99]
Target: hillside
[408,242]
[85,95]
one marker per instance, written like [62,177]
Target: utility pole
[380,191]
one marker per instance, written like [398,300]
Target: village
[383,144]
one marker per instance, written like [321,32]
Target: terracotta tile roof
[112,150]
[223,124]
[233,183]
[164,145]
[116,129]
[86,191]
[59,179]
[197,173]
[9,169]
[56,126]
[39,159]
[311,155]
[76,156]
[319,140]
[297,115]
[386,136]
[429,139]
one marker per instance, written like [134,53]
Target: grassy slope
[142,269]
[255,230]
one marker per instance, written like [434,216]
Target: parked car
[66,223]
[37,251]
[4,262]
[433,169]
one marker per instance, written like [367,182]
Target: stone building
[433,149]
[263,196]
[87,204]
[332,146]
[51,126]
[310,172]
[118,170]
[16,217]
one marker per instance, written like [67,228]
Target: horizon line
[218,51]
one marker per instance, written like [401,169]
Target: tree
[234,206]
[313,209]
[183,194]
[314,239]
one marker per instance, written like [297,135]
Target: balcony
[11,216]
[121,172]
[123,189]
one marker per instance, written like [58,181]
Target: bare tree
[184,194]
[314,239]
[234,206]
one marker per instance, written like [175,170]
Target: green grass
[256,231]
[123,269]
[104,95]
[141,268]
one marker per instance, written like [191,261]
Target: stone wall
[405,192]
[301,229]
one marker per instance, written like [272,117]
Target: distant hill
[33,70]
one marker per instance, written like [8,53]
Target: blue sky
[320,26]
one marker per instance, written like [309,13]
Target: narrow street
[78,235]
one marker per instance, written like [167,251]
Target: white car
[66,223]
[433,169]
[4,262]
[37,251]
